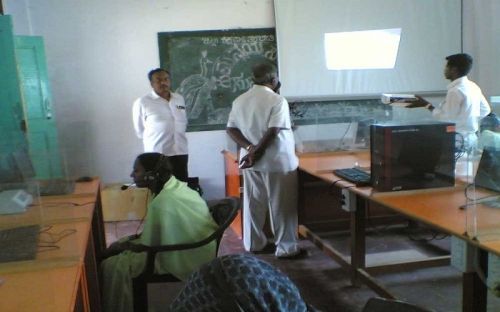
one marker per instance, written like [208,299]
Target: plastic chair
[223,211]
[385,305]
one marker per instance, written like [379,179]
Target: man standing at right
[259,122]
[465,104]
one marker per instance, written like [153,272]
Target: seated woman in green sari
[177,214]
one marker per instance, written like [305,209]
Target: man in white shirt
[259,122]
[160,121]
[465,104]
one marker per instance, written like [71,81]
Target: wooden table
[437,208]
[234,181]
[66,278]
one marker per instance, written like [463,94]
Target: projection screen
[429,31]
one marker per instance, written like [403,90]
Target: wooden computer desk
[316,210]
[437,208]
[65,279]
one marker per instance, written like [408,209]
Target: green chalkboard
[211,68]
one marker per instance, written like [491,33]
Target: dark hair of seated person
[158,166]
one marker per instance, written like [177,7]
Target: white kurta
[161,124]
[272,182]
[465,105]
[253,113]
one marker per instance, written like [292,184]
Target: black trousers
[179,166]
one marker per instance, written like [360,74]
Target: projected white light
[369,49]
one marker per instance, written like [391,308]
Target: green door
[12,136]
[42,131]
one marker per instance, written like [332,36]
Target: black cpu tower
[412,156]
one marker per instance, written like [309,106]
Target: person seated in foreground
[177,214]
[239,282]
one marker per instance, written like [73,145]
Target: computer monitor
[488,170]
[18,167]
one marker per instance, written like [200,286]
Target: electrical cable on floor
[435,235]
[376,229]
[380,229]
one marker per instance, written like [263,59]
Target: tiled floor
[324,284]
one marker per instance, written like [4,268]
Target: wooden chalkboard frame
[211,68]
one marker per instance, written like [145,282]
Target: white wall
[98,55]
[482,41]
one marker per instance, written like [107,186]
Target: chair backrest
[384,305]
[224,209]
[223,212]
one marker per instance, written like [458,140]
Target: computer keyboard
[354,175]
[19,244]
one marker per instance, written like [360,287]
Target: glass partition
[16,201]
[36,231]
[483,200]
[323,125]
[328,137]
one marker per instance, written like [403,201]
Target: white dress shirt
[253,113]
[465,105]
[161,124]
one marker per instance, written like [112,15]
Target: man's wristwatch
[249,147]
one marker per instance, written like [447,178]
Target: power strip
[348,200]
[463,255]
[494,273]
